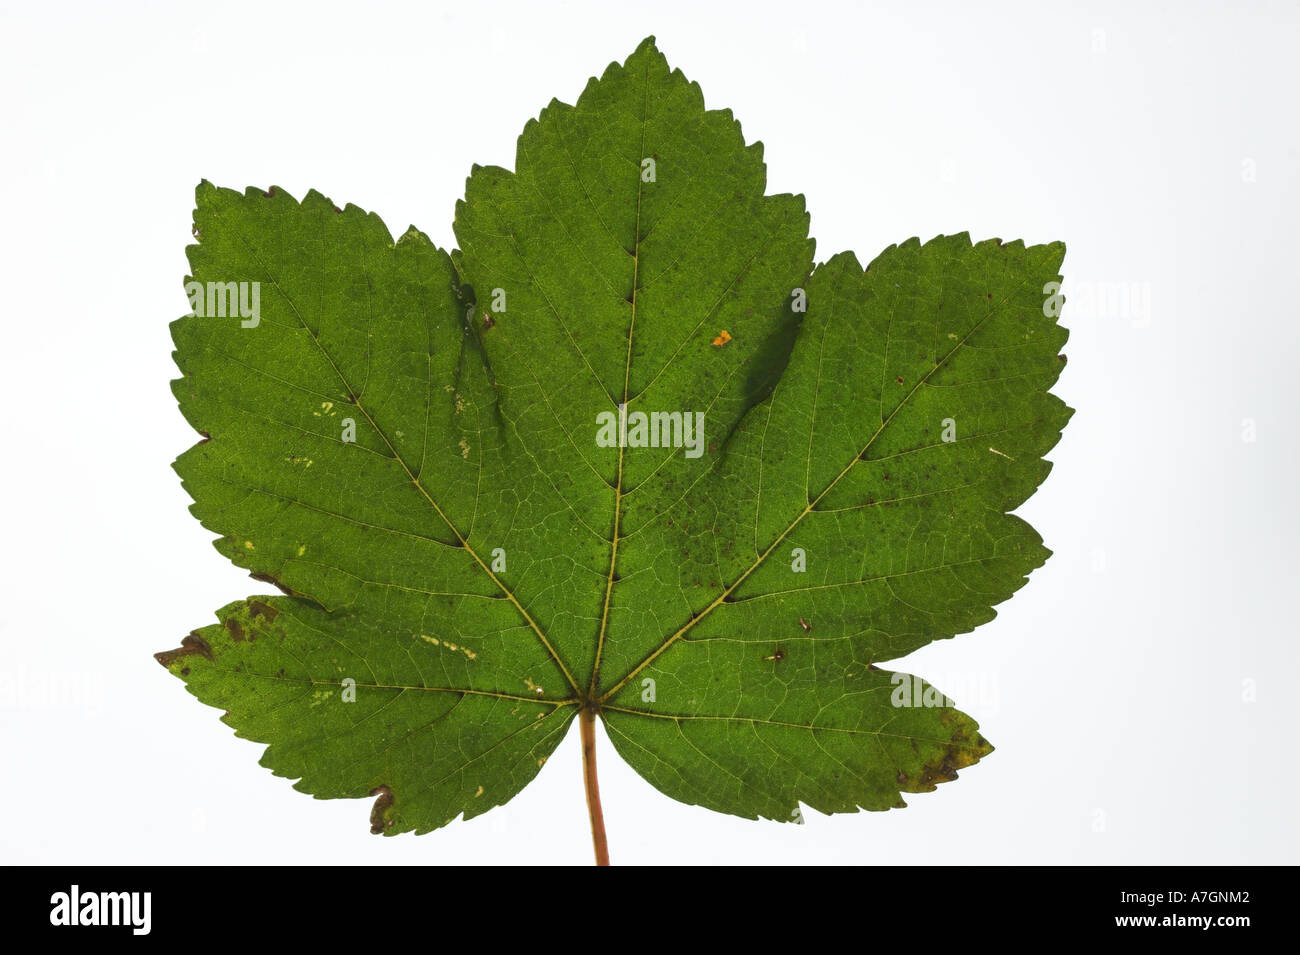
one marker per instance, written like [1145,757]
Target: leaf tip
[190,645]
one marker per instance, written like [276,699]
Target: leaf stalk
[587,724]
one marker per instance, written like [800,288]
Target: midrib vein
[458,690]
[627,377]
[680,717]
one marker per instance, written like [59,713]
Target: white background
[1140,689]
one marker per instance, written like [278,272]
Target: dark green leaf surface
[475,567]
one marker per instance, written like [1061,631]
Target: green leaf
[408,443]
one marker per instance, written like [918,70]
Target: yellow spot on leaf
[722,338]
[450,646]
[248,545]
[464,448]
[479,793]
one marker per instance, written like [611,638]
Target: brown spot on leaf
[378,822]
[191,644]
[260,609]
[275,582]
[236,631]
[964,749]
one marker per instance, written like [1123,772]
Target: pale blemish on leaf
[447,645]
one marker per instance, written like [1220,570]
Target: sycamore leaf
[625,455]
